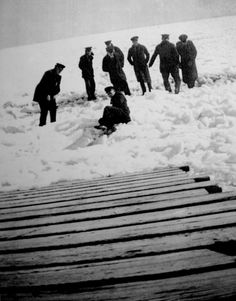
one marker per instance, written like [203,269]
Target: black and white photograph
[117,150]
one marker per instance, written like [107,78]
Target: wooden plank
[127,233]
[120,270]
[123,193]
[101,188]
[91,183]
[64,208]
[107,219]
[118,250]
[204,286]
[103,203]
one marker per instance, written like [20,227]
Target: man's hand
[48,98]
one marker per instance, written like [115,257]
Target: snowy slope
[196,127]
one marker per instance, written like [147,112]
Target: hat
[60,65]
[110,49]
[88,48]
[183,37]
[108,42]
[135,38]
[165,36]
[109,88]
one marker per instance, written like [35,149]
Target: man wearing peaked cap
[188,54]
[112,64]
[169,62]
[117,50]
[165,36]
[138,57]
[86,65]
[45,92]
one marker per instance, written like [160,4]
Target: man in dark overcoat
[188,54]
[86,65]
[169,62]
[138,57]
[45,92]
[112,65]
[117,113]
[118,51]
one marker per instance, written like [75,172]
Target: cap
[165,36]
[108,42]
[110,49]
[135,38]
[183,37]
[88,48]
[109,88]
[60,65]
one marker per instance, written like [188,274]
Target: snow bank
[196,127]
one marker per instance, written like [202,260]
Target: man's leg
[149,86]
[88,88]
[176,77]
[53,110]
[142,84]
[165,76]
[43,113]
[93,87]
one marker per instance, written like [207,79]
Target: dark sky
[32,21]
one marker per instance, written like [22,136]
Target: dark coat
[169,57]
[119,101]
[49,85]
[188,54]
[86,65]
[138,56]
[113,66]
[120,55]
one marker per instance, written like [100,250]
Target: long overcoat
[49,85]
[169,57]
[188,54]
[114,68]
[138,57]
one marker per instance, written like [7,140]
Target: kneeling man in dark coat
[117,113]
[45,92]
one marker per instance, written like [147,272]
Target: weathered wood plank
[122,193]
[204,286]
[119,270]
[64,208]
[88,221]
[90,184]
[140,231]
[116,251]
[102,203]
[103,188]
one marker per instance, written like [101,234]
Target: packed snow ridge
[196,127]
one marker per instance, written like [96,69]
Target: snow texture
[196,127]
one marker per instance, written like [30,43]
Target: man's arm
[129,58]
[155,54]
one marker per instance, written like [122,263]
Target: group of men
[172,57]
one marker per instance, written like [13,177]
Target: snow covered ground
[196,127]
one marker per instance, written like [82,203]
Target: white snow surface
[195,128]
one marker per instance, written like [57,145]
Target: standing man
[118,51]
[188,54]
[138,56]
[169,62]
[45,92]
[117,113]
[86,65]
[111,64]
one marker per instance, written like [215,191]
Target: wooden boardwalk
[159,235]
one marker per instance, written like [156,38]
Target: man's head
[88,50]
[110,91]
[108,43]
[59,67]
[165,37]
[110,50]
[134,40]
[183,37]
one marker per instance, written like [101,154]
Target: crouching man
[117,113]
